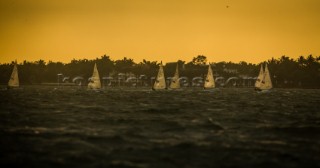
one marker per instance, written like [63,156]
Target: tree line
[302,72]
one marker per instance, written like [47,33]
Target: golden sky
[167,30]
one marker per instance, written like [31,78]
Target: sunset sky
[158,30]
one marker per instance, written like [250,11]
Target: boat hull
[260,90]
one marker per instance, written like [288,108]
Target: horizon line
[164,62]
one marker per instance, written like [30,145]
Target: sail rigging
[209,82]
[160,82]
[14,78]
[95,79]
[259,78]
[175,83]
[263,81]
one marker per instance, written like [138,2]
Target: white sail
[175,83]
[14,78]
[209,82]
[95,79]
[265,81]
[259,78]
[160,82]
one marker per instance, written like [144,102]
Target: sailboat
[259,78]
[209,82]
[95,79]
[263,81]
[14,78]
[160,83]
[175,83]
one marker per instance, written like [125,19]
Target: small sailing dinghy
[175,83]
[209,82]
[94,82]
[263,81]
[14,78]
[160,82]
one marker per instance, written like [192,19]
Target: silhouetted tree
[125,65]
[199,60]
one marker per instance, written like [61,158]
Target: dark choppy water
[72,127]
